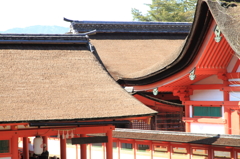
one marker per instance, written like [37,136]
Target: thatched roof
[47,81]
[227,19]
[125,58]
[127,48]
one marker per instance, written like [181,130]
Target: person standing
[45,152]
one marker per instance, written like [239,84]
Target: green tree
[167,11]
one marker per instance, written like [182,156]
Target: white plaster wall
[234,96]
[207,95]
[154,157]
[207,128]
[210,80]
[115,154]
[71,153]
[54,147]
[143,156]
[232,64]
[126,156]
[5,157]
[238,70]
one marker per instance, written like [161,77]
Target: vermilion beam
[206,86]
[205,120]
[53,131]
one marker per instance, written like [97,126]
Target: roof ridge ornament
[192,75]
[155,91]
[217,34]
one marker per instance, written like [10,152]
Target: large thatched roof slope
[127,48]
[58,80]
[225,14]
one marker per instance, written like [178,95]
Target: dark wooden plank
[89,140]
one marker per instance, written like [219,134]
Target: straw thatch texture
[131,58]
[227,17]
[59,82]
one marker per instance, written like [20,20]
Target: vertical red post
[45,140]
[90,150]
[83,148]
[233,154]
[14,144]
[170,151]
[25,148]
[227,116]
[151,150]
[210,153]
[227,112]
[119,148]
[77,151]
[189,151]
[235,122]
[63,148]
[187,124]
[109,145]
[104,150]
[134,149]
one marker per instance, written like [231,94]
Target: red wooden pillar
[77,151]
[227,111]
[227,116]
[189,151]
[134,149]
[170,150]
[83,148]
[187,124]
[151,150]
[119,148]
[25,148]
[109,145]
[45,140]
[14,144]
[210,152]
[233,154]
[235,122]
[90,150]
[63,148]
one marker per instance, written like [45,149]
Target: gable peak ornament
[155,91]
[217,34]
[192,75]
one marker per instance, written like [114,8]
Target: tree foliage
[167,11]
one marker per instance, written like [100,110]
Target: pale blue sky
[23,13]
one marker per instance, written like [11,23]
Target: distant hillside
[39,29]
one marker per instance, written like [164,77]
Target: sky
[24,13]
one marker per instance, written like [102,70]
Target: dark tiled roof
[129,27]
[43,39]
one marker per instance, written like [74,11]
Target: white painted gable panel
[210,80]
[207,128]
[234,96]
[207,95]
[232,64]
